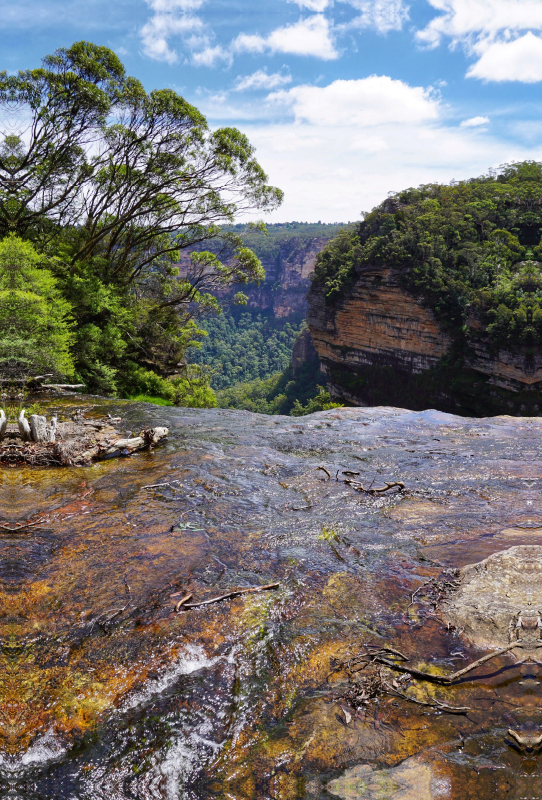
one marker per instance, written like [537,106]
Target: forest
[469,248]
[102,185]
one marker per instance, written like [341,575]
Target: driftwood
[19,526]
[184,600]
[63,386]
[36,429]
[72,442]
[24,427]
[159,485]
[526,742]
[148,438]
[184,604]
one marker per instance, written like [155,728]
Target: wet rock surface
[499,599]
[106,691]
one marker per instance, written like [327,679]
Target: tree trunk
[24,428]
[38,427]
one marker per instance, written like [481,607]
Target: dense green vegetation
[289,392]
[266,244]
[244,346]
[108,184]
[35,320]
[470,248]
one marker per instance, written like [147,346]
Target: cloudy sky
[345,100]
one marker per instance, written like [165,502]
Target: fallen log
[148,438]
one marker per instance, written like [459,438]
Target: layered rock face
[380,344]
[287,277]
[288,271]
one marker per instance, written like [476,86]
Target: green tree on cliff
[472,248]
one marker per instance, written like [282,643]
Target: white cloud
[261,80]
[369,144]
[305,160]
[160,28]
[381,15]
[518,60]
[474,122]
[376,100]
[475,20]
[312,5]
[211,56]
[498,32]
[170,6]
[308,37]
[348,144]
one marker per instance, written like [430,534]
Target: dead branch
[380,657]
[326,471]
[439,587]
[19,526]
[183,601]
[432,703]
[157,485]
[379,490]
[228,596]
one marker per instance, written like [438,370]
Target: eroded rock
[499,598]
[411,780]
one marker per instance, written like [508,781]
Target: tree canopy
[35,320]
[469,248]
[110,182]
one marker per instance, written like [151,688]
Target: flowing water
[107,692]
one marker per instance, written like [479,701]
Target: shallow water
[106,692]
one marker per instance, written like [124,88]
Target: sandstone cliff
[288,269]
[381,345]
[287,278]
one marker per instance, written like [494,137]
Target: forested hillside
[103,189]
[471,247]
[435,298]
[244,346]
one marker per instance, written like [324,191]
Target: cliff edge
[382,345]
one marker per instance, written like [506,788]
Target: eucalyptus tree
[113,182]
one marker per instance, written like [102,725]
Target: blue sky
[345,101]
